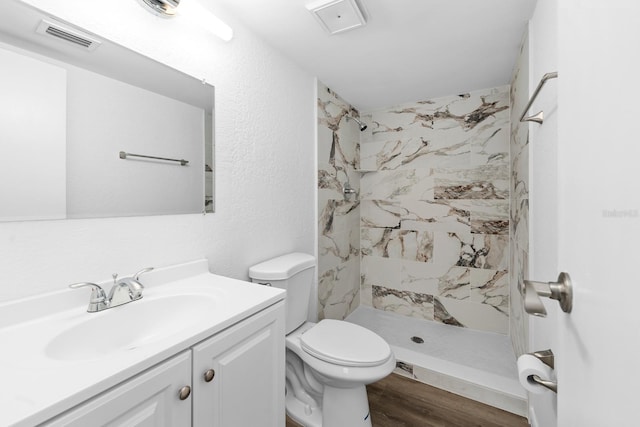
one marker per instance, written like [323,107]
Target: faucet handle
[97,293]
[98,299]
[139,273]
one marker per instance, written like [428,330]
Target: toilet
[328,363]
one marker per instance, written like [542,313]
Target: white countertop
[36,387]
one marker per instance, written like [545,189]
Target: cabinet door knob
[209,374]
[184,392]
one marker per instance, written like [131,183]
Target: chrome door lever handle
[561,291]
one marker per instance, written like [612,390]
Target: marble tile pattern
[338,216]
[434,210]
[519,212]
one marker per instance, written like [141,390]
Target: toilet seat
[345,344]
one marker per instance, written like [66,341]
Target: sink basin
[130,326]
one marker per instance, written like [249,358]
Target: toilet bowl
[341,358]
[329,363]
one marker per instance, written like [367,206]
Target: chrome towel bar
[124,155]
[539,117]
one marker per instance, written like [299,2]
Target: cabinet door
[148,400]
[247,389]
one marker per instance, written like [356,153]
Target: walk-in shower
[421,252]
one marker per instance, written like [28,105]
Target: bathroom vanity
[197,349]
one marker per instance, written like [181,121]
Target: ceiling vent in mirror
[68,34]
[336,16]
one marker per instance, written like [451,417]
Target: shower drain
[417,340]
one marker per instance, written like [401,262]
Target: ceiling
[409,50]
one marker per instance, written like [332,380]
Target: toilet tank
[294,273]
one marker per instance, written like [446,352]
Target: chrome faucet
[123,291]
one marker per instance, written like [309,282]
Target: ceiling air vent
[337,16]
[68,34]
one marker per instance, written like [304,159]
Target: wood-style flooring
[397,401]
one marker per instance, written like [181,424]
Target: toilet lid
[345,343]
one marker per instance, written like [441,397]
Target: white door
[592,201]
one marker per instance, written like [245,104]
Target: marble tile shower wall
[434,229]
[519,212]
[339,216]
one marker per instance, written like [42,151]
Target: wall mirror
[91,129]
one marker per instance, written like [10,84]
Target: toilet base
[345,407]
[341,407]
[302,413]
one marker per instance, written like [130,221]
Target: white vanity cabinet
[149,399]
[239,375]
[236,379]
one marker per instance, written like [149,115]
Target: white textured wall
[33,98]
[264,159]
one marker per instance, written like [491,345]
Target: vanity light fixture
[201,16]
[162,7]
[337,16]
[192,11]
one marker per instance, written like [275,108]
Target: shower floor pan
[474,364]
